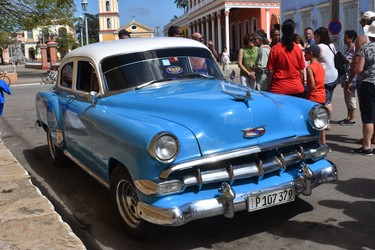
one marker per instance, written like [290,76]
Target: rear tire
[125,199]
[57,156]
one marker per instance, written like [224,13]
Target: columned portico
[226,14]
[240,18]
[207,29]
[219,35]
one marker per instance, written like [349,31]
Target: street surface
[338,215]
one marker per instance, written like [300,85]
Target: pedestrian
[275,36]
[327,55]
[260,66]
[298,40]
[366,19]
[175,31]
[198,37]
[3,88]
[309,36]
[246,60]
[286,64]
[124,34]
[225,59]
[349,95]
[365,70]
[315,90]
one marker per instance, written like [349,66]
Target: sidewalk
[27,218]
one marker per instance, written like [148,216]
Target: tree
[18,15]
[182,4]
[93,29]
[5,40]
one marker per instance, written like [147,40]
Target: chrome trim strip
[236,153]
[178,216]
[95,176]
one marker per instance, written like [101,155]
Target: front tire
[125,199]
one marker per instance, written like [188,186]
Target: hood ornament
[253,132]
[240,92]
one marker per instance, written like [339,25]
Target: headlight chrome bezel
[156,148]
[315,112]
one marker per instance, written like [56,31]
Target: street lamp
[80,27]
[84,4]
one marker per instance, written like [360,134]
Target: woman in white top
[327,56]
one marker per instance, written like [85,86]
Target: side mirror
[92,97]
[232,74]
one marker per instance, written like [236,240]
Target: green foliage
[182,4]
[18,15]
[93,29]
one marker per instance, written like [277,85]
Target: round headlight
[319,117]
[164,147]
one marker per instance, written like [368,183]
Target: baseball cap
[314,49]
[368,15]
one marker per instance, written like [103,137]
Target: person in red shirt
[286,64]
[315,79]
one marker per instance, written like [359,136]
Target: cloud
[139,11]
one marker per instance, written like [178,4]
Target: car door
[78,110]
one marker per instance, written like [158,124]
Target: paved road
[337,215]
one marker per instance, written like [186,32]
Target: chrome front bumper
[228,202]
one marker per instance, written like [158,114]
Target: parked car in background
[155,122]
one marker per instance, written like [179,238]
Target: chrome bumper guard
[228,202]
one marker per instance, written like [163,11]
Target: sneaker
[362,151]
[347,122]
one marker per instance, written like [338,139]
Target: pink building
[227,22]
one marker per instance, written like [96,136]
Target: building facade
[227,22]
[320,13]
[109,19]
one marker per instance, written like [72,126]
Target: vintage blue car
[155,121]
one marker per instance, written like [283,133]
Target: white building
[320,13]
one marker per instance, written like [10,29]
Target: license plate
[269,199]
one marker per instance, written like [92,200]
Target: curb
[27,218]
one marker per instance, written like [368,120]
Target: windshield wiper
[197,75]
[151,82]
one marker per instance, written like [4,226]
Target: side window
[86,77]
[67,75]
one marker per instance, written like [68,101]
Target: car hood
[217,119]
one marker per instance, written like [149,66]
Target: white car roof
[100,50]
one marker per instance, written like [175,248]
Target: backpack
[341,63]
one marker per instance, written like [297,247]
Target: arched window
[107,6]
[108,23]
[246,27]
[254,25]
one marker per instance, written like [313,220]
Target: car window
[129,71]
[67,75]
[87,80]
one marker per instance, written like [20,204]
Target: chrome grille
[259,162]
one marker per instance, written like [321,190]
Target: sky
[151,13]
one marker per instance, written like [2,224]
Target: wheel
[47,78]
[44,77]
[57,156]
[6,79]
[125,199]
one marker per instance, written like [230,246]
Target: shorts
[329,90]
[366,97]
[350,98]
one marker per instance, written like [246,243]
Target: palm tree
[184,4]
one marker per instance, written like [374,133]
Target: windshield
[144,68]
